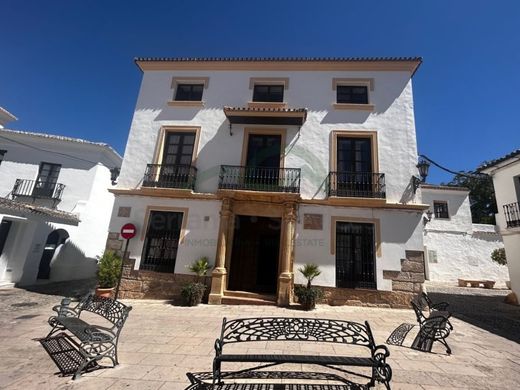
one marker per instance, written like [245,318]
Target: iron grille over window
[162,241]
[189,92]
[512,214]
[170,176]
[259,178]
[352,94]
[355,255]
[440,209]
[357,184]
[268,93]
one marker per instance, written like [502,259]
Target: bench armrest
[218,347]
[433,329]
[65,311]
[383,372]
[441,306]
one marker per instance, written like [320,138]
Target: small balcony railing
[357,184]
[37,189]
[259,179]
[170,176]
[512,214]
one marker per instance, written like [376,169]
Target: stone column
[218,276]
[285,279]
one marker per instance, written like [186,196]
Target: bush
[499,256]
[109,270]
[192,293]
[308,296]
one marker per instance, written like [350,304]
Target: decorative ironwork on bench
[37,189]
[357,184]
[512,214]
[170,176]
[259,178]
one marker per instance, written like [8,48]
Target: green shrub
[109,269]
[192,293]
[499,256]
[308,296]
[200,267]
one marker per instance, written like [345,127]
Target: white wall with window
[64,174]
[455,247]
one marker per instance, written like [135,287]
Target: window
[355,255]
[2,154]
[356,94]
[5,226]
[46,180]
[162,241]
[268,93]
[189,92]
[440,209]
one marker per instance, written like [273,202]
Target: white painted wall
[86,175]
[200,238]
[309,150]
[400,231]
[461,249]
[506,180]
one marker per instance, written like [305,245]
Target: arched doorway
[54,240]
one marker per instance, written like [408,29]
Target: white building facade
[264,165]
[56,206]
[505,172]
[455,247]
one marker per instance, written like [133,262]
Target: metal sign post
[127,232]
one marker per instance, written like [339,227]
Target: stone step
[233,300]
[247,294]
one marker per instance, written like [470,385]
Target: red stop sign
[128,231]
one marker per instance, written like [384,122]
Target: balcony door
[263,160]
[177,158]
[354,166]
[46,180]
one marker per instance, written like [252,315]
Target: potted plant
[308,295]
[108,272]
[193,292]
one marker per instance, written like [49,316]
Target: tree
[481,196]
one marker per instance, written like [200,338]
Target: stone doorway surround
[231,207]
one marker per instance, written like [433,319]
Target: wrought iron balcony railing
[512,214]
[357,184]
[170,176]
[259,179]
[37,189]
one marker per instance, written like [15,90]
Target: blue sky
[67,66]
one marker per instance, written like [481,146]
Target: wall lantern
[428,217]
[114,174]
[423,166]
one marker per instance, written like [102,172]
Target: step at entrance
[247,298]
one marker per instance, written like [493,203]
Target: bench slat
[303,359]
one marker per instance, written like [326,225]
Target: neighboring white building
[55,206]
[264,165]
[505,172]
[455,247]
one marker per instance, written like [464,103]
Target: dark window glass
[47,179]
[2,153]
[162,241]
[354,154]
[268,93]
[352,94]
[440,210]
[189,92]
[355,255]
[5,226]
[178,148]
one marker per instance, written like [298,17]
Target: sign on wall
[313,221]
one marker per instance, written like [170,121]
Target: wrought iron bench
[301,330]
[95,341]
[435,327]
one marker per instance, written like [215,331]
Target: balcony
[260,179]
[357,185]
[37,190]
[170,176]
[512,215]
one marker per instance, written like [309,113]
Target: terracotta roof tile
[24,209]
[513,154]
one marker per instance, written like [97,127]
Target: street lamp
[423,166]
[114,174]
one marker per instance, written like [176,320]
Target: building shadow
[488,312]
[303,380]
[72,289]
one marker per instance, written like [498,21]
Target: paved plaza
[160,343]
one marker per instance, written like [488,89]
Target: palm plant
[192,293]
[200,267]
[309,272]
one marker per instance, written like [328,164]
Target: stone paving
[161,342]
